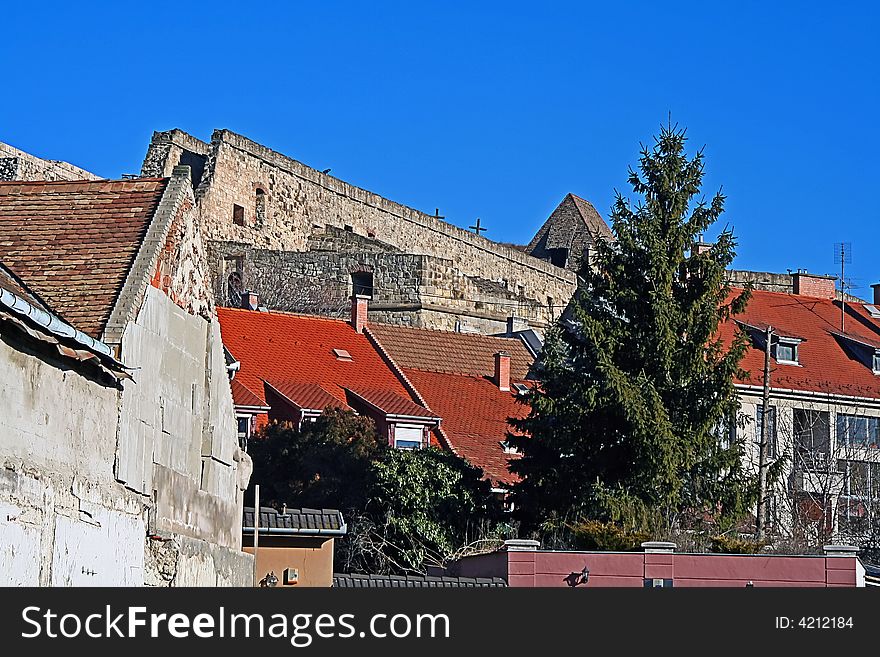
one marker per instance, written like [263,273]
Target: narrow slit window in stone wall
[260,206]
[238,215]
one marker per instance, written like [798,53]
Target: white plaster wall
[62,514]
[55,420]
[178,435]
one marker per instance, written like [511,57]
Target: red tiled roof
[474,413]
[825,366]
[241,396]
[10,283]
[306,395]
[456,353]
[391,404]
[298,349]
[73,243]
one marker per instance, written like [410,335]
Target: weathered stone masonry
[406,288]
[280,204]
[18,165]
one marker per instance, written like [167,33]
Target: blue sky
[493,110]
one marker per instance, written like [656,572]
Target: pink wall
[621,569]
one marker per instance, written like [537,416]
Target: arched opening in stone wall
[260,206]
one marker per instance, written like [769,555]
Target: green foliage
[326,463]
[597,535]
[636,381]
[428,503]
[403,508]
[724,544]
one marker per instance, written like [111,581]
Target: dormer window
[785,350]
[408,436]
[865,351]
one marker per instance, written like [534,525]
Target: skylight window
[343,355]
[873,311]
[521,388]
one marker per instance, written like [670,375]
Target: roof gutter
[54,326]
[298,531]
[809,395]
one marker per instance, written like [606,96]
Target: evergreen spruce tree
[635,380]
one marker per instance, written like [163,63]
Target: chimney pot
[359,312]
[250,300]
[876,288]
[502,371]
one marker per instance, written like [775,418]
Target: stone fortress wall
[250,195]
[18,165]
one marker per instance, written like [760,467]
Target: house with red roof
[292,367]
[119,464]
[824,406]
[421,387]
[473,382]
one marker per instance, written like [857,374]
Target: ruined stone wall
[281,203]
[18,165]
[410,289]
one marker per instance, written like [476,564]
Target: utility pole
[762,447]
[256,531]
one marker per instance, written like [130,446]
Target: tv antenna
[843,257]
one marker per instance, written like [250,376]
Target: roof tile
[73,243]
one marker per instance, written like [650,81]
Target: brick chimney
[250,300]
[359,312]
[700,247]
[814,285]
[876,288]
[502,371]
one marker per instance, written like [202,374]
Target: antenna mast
[842,256]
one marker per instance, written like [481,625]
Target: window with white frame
[858,430]
[858,503]
[785,350]
[408,436]
[725,431]
[812,439]
[245,429]
[875,362]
